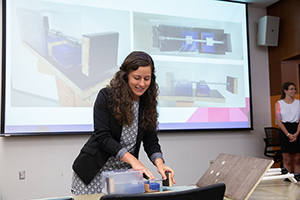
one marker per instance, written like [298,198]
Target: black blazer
[105,140]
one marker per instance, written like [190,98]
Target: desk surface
[276,189]
[273,189]
[88,197]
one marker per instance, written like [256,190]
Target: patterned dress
[128,141]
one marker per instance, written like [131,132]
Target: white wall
[47,160]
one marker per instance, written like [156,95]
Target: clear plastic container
[123,181]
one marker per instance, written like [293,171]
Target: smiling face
[290,92]
[139,81]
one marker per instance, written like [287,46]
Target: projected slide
[59,54]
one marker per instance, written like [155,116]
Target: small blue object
[184,89]
[50,40]
[202,89]
[206,47]
[153,186]
[67,55]
[190,46]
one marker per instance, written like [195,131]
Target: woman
[124,116]
[287,116]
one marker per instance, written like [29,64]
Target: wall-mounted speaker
[268,28]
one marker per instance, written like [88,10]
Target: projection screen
[58,54]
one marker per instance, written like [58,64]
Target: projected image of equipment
[57,55]
[202,88]
[80,65]
[190,91]
[168,38]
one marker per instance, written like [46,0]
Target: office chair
[210,192]
[272,148]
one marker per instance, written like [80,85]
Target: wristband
[287,135]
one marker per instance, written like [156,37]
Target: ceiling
[258,3]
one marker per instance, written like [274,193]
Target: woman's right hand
[292,137]
[137,165]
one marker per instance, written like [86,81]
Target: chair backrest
[210,192]
[272,136]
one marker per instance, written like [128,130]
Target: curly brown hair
[120,95]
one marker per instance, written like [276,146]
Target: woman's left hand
[162,169]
